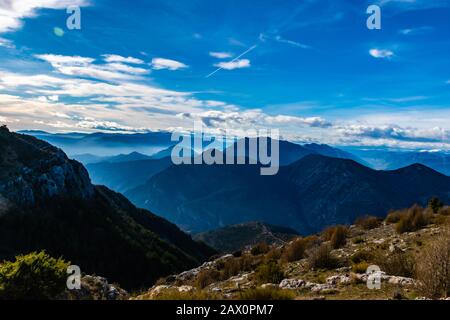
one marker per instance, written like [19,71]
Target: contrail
[241,55]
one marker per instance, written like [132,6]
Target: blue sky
[309,68]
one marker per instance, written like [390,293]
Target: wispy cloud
[415,31]
[6,43]
[85,67]
[236,64]
[13,12]
[381,53]
[117,58]
[221,55]
[161,63]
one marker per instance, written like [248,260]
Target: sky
[310,68]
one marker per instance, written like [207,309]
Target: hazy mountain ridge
[307,195]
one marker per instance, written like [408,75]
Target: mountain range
[307,195]
[47,202]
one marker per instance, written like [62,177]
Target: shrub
[269,272]
[414,219]
[360,267]
[397,264]
[358,240]
[174,294]
[322,258]
[267,294]
[274,254]
[435,204]
[433,267]
[35,276]
[339,237]
[260,248]
[295,251]
[207,277]
[362,256]
[395,216]
[368,222]
[445,211]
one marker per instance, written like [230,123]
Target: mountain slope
[307,195]
[248,234]
[47,202]
[122,176]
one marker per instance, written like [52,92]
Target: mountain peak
[33,170]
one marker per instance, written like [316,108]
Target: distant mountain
[307,195]
[391,160]
[326,150]
[290,152]
[240,236]
[48,202]
[106,144]
[123,176]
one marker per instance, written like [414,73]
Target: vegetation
[397,264]
[35,276]
[433,267]
[267,294]
[260,248]
[322,258]
[413,219]
[339,237]
[269,272]
[368,222]
[435,204]
[295,250]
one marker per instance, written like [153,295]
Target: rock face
[34,171]
[47,202]
[96,288]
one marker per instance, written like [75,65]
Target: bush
[295,251]
[362,256]
[269,273]
[414,219]
[368,222]
[339,237]
[207,277]
[260,248]
[261,294]
[397,264]
[360,267]
[435,204]
[445,211]
[433,267]
[358,240]
[35,276]
[395,216]
[322,258]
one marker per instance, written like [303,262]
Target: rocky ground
[347,280]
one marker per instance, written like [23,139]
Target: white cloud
[161,63]
[6,43]
[381,53]
[117,58]
[84,67]
[59,60]
[415,31]
[12,12]
[236,64]
[221,55]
